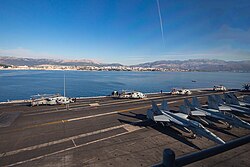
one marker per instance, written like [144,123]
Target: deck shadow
[166,130]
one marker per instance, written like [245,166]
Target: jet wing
[224,108]
[198,113]
[184,116]
[244,103]
[204,106]
[161,118]
[172,118]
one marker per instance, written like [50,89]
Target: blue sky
[125,31]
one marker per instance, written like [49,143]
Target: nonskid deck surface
[89,133]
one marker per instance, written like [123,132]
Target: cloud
[25,53]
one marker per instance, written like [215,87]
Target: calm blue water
[22,84]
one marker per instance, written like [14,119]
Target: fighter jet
[233,100]
[214,115]
[180,121]
[216,102]
[246,99]
[203,115]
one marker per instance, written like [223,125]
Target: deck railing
[170,161]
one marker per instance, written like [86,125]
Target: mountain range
[34,62]
[191,64]
[200,65]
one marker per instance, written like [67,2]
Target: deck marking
[85,117]
[131,128]
[89,160]
[71,148]
[104,114]
[110,113]
[73,142]
[94,104]
[59,141]
[131,144]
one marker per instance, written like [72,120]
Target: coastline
[102,69]
[113,70]
[92,97]
[14,83]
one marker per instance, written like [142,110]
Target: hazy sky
[125,31]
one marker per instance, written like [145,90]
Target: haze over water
[22,84]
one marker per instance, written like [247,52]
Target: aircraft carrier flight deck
[98,132]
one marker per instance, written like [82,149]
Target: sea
[22,84]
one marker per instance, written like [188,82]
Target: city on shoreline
[91,68]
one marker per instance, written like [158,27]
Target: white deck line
[78,146]
[58,141]
[73,137]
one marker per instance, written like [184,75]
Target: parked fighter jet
[233,100]
[246,99]
[214,115]
[180,121]
[216,102]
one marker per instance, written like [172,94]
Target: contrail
[159,12]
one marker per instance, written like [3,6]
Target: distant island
[206,65]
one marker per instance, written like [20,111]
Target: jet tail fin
[196,102]
[231,94]
[231,99]
[184,109]
[164,105]
[219,99]
[155,108]
[246,99]
[188,104]
[212,103]
[227,98]
[234,98]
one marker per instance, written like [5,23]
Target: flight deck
[94,132]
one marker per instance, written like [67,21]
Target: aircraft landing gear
[229,127]
[193,136]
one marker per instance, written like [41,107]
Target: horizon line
[103,63]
